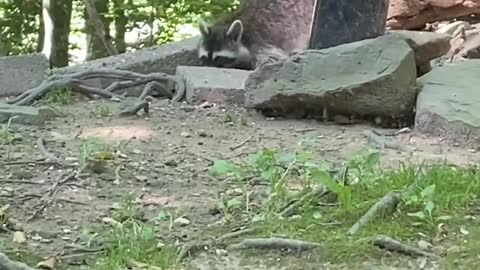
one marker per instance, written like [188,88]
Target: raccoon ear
[235,31]
[203,27]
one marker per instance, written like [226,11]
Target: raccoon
[260,32]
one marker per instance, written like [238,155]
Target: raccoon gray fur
[261,31]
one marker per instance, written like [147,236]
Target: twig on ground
[274,243]
[387,204]
[293,206]
[242,143]
[43,150]
[383,142]
[189,248]
[7,264]
[390,244]
[161,82]
[51,194]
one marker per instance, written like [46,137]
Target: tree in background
[60,27]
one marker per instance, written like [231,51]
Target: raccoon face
[222,47]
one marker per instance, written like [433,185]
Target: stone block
[368,78]
[447,103]
[22,72]
[213,85]
[26,114]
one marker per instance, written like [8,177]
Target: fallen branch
[383,142]
[77,82]
[387,204]
[7,264]
[274,243]
[390,244]
[235,147]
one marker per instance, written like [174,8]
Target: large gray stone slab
[448,103]
[22,72]
[213,85]
[26,114]
[164,58]
[369,78]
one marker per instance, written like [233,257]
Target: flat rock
[426,45]
[26,114]
[22,72]
[213,85]
[447,104]
[368,78]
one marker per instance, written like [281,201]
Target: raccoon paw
[265,60]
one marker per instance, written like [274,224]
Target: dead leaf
[111,221]
[48,263]
[19,237]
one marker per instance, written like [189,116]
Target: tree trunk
[99,42]
[56,21]
[343,21]
[120,25]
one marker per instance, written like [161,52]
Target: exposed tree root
[142,104]
[390,244]
[159,82]
[274,243]
[7,264]
[189,248]
[387,204]
[383,142]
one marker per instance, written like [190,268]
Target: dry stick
[383,142]
[274,243]
[290,210]
[43,150]
[390,244]
[235,147]
[7,264]
[52,192]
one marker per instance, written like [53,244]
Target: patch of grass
[94,154]
[131,240]
[61,96]
[442,194]
[102,110]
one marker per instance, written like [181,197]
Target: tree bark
[337,22]
[120,25]
[56,16]
[99,41]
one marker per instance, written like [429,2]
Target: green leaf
[343,193]
[287,158]
[372,159]
[429,207]
[419,215]
[428,191]
[222,167]
[234,203]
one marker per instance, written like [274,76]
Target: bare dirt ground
[166,167]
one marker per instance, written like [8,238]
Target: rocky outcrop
[447,104]
[369,78]
[414,14]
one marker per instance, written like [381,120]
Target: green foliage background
[20,20]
